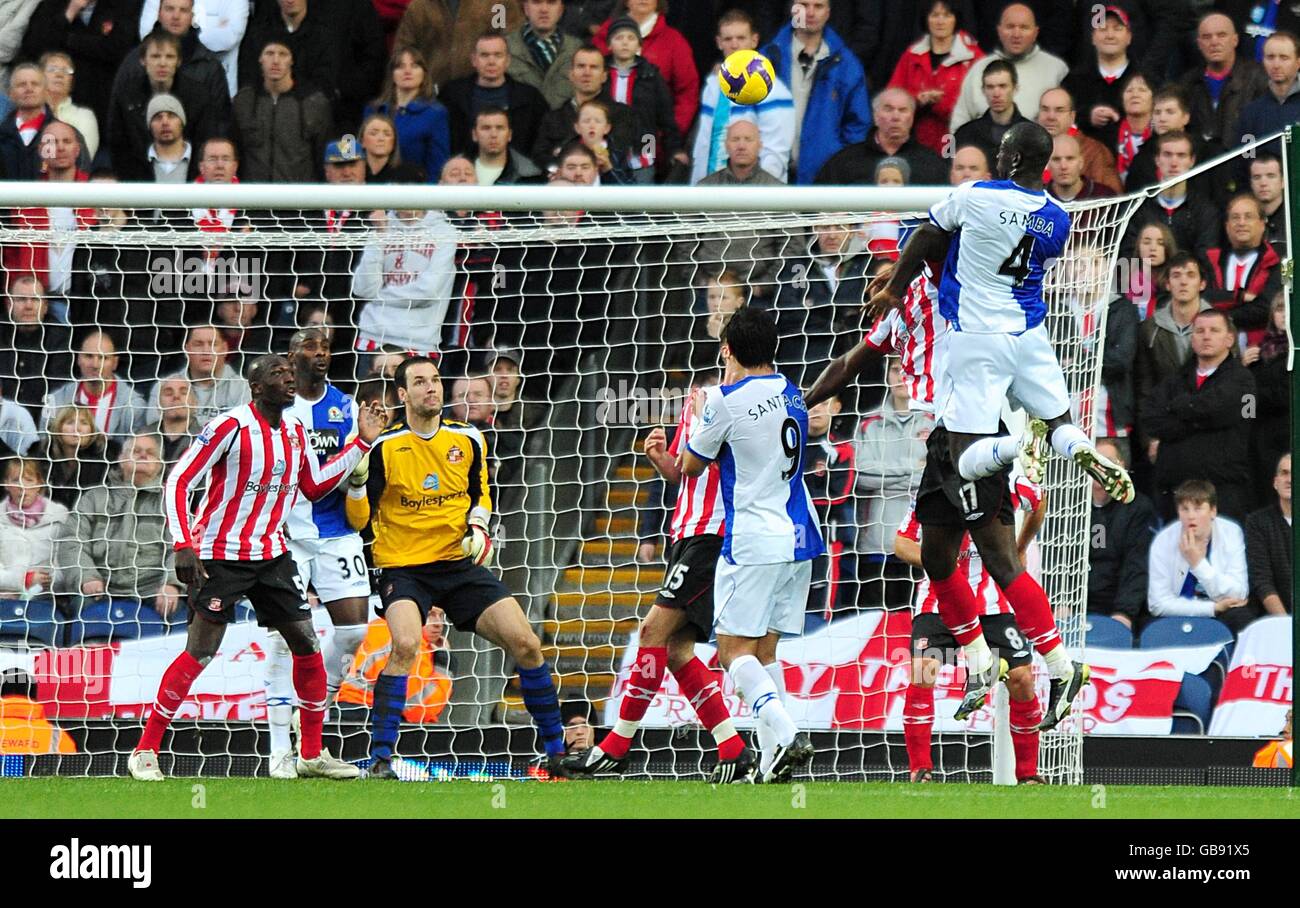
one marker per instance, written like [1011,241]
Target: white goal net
[138,320]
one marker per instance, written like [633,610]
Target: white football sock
[338,657]
[1058,662]
[986,456]
[1067,439]
[766,742]
[978,655]
[756,688]
[280,698]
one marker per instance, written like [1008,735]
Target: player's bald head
[1026,148]
[303,335]
[262,366]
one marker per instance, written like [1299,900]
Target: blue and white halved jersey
[757,429]
[329,422]
[1005,239]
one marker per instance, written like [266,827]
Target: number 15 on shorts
[674,580]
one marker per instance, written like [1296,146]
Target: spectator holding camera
[115,544]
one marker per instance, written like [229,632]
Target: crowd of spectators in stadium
[108,366]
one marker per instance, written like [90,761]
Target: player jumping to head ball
[999,238]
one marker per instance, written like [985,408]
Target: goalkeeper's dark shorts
[460,588]
[688,581]
[944,499]
[931,639]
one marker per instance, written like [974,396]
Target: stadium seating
[1185,632]
[28,624]
[1192,706]
[1193,632]
[1107,633]
[109,621]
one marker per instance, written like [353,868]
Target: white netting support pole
[1004,756]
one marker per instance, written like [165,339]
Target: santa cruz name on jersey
[756,429]
[329,422]
[1005,239]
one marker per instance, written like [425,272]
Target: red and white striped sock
[1024,718]
[918,721]
[648,670]
[173,689]
[701,688]
[309,685]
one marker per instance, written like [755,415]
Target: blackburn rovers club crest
[348,146]
[214,605]
[431,483]
[278,469]
[455,454]
[335,415]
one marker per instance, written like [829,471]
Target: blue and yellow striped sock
[544,706]
[386,716]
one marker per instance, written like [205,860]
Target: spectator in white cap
[171,157]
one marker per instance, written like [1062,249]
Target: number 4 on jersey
[1016,265]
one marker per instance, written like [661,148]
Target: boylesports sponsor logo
[431,501]
[268,488]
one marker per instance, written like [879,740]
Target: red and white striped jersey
[699,503]
[918,334]
[255,472]
[987,593]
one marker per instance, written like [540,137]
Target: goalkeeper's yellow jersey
[420,493]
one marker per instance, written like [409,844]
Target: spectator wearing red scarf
[1245,274]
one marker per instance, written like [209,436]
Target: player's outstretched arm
[927,243]
[318,480]
[840,373]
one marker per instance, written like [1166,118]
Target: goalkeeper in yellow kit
[424,491]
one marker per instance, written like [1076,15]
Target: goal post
[604,295]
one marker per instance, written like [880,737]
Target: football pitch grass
[199,798]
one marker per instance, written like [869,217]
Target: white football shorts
[985,369]
[750,600]
[335,567]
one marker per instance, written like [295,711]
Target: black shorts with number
[931,639]
[945,499]
[460,588]
[688,580]
[273,587]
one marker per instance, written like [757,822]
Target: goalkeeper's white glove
[477,544]
[361,473]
